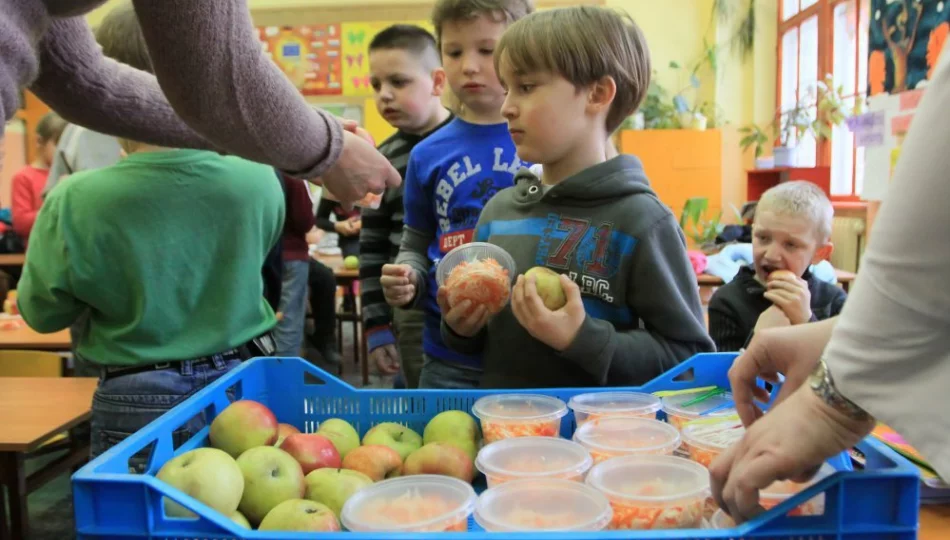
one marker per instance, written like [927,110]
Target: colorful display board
[309,56]
[356,39]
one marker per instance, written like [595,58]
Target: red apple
[283,430]
[375,461]
[440,458]
[312,451]
[243,425]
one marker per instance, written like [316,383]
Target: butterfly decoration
[358,59]
[364,80]
[356,37]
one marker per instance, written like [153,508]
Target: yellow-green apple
[453,427]
[243,425]
[312,451]
[440,458]
[239,518]
[207,474]
[375,461]
[351,263]
[333,487]
[271,476]
[548,283]
[341,434]
[283,430]
[396,436]
[300,515]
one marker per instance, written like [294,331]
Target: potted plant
[698,227]
[755,136]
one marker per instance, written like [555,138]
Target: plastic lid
[721,520]
[650,478]
[473,252]
[542,505]
[713,435]
[634,403]
[409,504]
[672,405]
[623,435]
[518,408]
[783,489]
[537,457]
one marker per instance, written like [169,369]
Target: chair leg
[13,470]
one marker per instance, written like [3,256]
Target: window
[818,37]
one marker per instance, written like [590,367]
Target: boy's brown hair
[121,39]
[583,44]
[463,10]
[50,127]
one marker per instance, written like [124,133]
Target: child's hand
[791,295]
[386,359]
[399,284]
[558,328]
[773,317]
[459,319]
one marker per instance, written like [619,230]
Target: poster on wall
[356,37]
[310,56]
[906,40]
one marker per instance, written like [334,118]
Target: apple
[312,451]
[271,476]
[207,474]
[548,283]
[243,425]
[440,458]
[341,434]
[333,487]
[300,515]
[375,461]
[351,263]
[283,430]
[453,427]
[239,518]
[396,436]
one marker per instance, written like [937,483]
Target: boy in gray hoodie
[633,309]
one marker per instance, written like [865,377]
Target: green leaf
[674,64]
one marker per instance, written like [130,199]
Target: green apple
[341,434]
[351,263]
[453,427]
[396,436]
[207,474]
[300,515]
[243,425]
[548,283]
[333,487]
[271,476]
[239,518]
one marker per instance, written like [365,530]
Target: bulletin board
[356,39]
[308,54]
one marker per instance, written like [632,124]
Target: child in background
[408,81]
[790,232]
[632,306]
[295,253]
[347,224]
[453,173]
[28,183]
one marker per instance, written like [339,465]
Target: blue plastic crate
[876,504]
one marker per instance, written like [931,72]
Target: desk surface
[934,522]
[33,409]
[335,263]
[25,337]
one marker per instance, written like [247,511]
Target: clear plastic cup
[607,404]
[508,416]
[542,505]
[471,253]
[608,438]
[423,503]
[533,458]
[779,492]
[479,273]
[705,440]
[652,492]
[678,415]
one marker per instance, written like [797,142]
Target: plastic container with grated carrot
[533,458]
[508,416]
[423,503]
[542,505]
[607,438]
[596,405]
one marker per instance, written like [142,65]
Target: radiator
[847,234]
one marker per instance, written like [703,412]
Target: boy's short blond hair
[121,39]
[508,11]
[583,44]
[802,199]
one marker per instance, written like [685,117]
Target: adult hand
[558,328]
[790,293]
[793,351]
[386,359]
[361,169]
[399,284]
[789,443]
[462,319]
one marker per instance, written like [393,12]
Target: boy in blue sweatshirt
[453,173]
[633,308]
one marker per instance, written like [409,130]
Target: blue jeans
[125,404]
[440,374]
[293,305]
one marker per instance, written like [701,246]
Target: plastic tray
[879,503]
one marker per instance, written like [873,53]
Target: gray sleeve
[80,150]
[663,291]
[412,251]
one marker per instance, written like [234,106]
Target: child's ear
[601,95]
[438,81]
[823,253]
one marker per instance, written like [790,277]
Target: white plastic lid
[542,505]
[533,457]
[474,252]
[650,478]
[615,403]
[422,503]
[673,405]
[713,435]
[519,408]
[623,435]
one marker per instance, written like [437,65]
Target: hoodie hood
[617,177]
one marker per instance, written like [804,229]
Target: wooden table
[709,283]
[934,522]
[12,259]
[29,339]
[33,411]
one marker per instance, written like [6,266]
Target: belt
[262,345]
